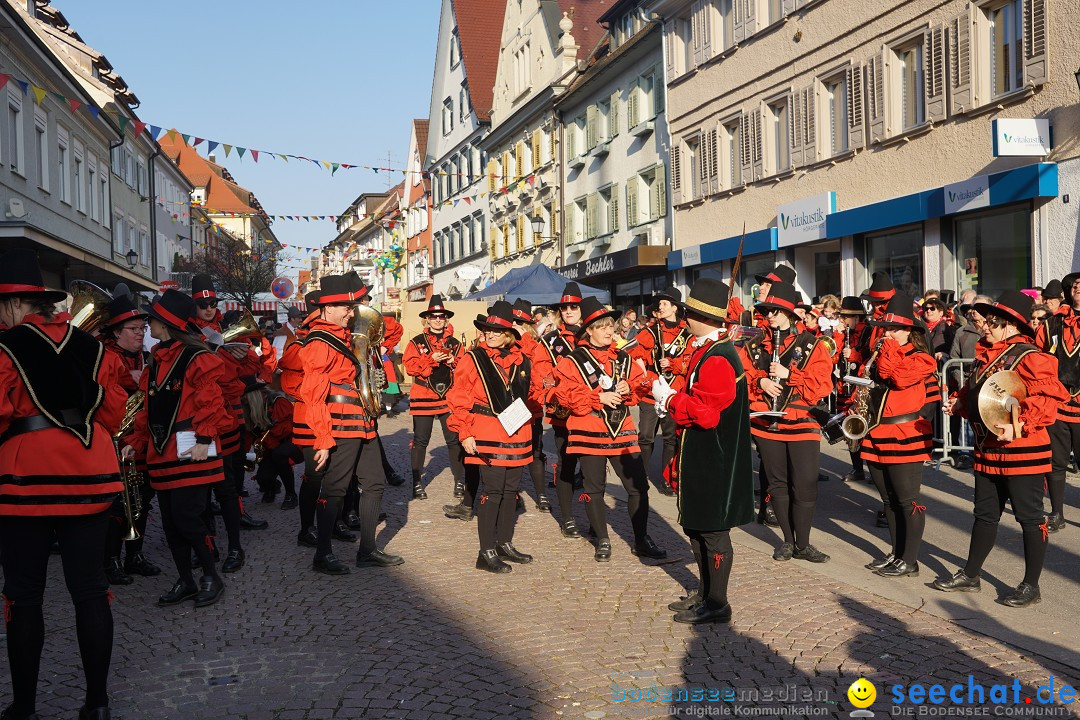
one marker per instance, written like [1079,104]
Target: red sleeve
[713,392]
[316,358]
[644,347]
[281,423]
[571,390]
[140,434]
[1044,389]
[268,361]
[636,380]
[814,381]
[1042,338]
[417,364]
[752,375]
[735,310]
[903,370]
[462,396]
[204,375]
[393,330]
[114,399]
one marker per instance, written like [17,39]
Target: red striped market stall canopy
[261,306]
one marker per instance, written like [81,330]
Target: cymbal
[1000,393]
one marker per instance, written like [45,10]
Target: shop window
[757,265]
[993,252]
[827,273]
[898,255]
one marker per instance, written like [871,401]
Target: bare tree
[239,272]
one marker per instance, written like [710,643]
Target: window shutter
[492,169]
[750,18]
[554,139]
[810,124]
[633,108]
[504,248]
[714,162]
[569,231]
[746,156]
[701,186]
[613,209]
[631,201]
[706,30]
[696,39]
[855,99]
[590,216]
[934,82]
[797,132]
[591,128]
[491,246]
[656,105]
[520,233]
[676,176]
[961,92]
[537,141]
[759,155]
[613,115]
[788,7]
[571,141]
[875,95]
[658,196]
[1035,61]
[519,160]
[669,48]
[738,20]
[506,168]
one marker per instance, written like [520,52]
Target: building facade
[853,138]
[416,212]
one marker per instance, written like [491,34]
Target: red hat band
[892,319]
[12,289]
[881,295]
[773,300]
[496,320]
[596,315]
[332,299]
[570,299]
[773,278]
[123,317]
[523,316]
[204,294]
[1012,313]
[165,314]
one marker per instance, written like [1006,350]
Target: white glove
[661,392]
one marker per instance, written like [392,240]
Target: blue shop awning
[758,241]
[1022,183]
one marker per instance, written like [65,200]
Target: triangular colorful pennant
[187,138]
[210,145]
[228,148]
[39,94]
[72,103]
[4,80]
[240,151]
[155,131]
[197,141]
[140,126]
[255,155]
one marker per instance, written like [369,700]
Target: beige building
[855,137]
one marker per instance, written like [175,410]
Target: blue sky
[338,80]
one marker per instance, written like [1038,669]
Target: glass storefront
[827,273]
[636,293]
[747,287]
[899,254]
[993,252]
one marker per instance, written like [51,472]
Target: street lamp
[538,225]
[132,258]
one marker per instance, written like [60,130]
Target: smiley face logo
[862,693]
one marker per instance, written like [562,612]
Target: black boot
[1024,595]
[114,571]
[648,549]
[458,512]
[137,564]
[330,565]
[569,529]
[459,489]
[308,538]
[1054,522]
[289,502]
[393,478]
[603,551]
[542,504]
[418,491]
[351,520]
[341,532]
[233,561]
[210,591]
[511,553]
[687,602]
[98,713]
[246,521]
[878,564]
[180,592]
[959,581]
[488,560]
[378,558]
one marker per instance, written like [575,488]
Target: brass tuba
[367,332]
[89,305]
[243,329]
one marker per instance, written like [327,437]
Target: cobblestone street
[563,637]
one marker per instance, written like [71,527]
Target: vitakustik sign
[1022,137]
[967,195]
[804,220]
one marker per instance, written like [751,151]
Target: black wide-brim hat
[20,275]
[708,298]
[122,309]
[780,273]
[782,296]
[337,290]
[852,305]
[523,310]
[900,312]
[881,288]
[500,316]
[1053,291]
[176,310]
[671,294]
[1012,305]
[571,295]
[593,310]
[435,305]
[202,287]
[1066,286]
[356,285]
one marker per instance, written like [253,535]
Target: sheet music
[185,440]
[513,417]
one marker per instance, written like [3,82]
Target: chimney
[212,158]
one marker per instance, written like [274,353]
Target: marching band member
[899,437]
[712,470]
[122,336]
[392,334]
[344,436]
[286,334]
[59,405]
[853,317]
[291,372]
[1060,336]
[598,383]
[559,343]
[183,398]
[789,378]
[661,348]
[780,273]
[269,414]
[1010,462]
[492,384]
[542,368]
[430,358]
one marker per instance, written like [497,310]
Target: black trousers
[183,518]
[631,471]
[647,436]
[232,507]
[118,525]
[536,465]
[277,465]
[792,471]
[422,425]
[1064,441]
[899,487]
[497,511]
[564,476]
[1025,492]
[714,555]
[323,491]
[24,554]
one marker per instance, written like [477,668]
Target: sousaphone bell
[89,305]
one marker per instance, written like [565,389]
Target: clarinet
[776,359]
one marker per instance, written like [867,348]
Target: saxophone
[857,423]
[129,475]
[367,332]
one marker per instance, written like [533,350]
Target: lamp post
[132,258]
[538,228]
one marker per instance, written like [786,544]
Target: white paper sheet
[185,440]
[513,417]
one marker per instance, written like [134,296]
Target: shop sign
[1022,137]
[604,264]
[967,195]
[803,221]
[691,256]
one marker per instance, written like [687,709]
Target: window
[118,162]
[993,252]
[465,241]
[727,22]
[575,221]
[447,116]
[577,136]
[607,211]
[455,49]
[522,74]
[144,247]
[730,155]
[477,237]
[119,234]
[780,135]
[15,144]
[694,164]
[78,189]
[686,43]
[837,115]
[132,235]
[129,166]
[103,197]
[140,178]
[776,10]
[463,106]
[1006,47]
[645,100]
[41,147]
[646,196]
[603,121]
[92,188]
[63,162]
[911,85]
[898,254]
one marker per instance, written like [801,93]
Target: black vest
[501,393]
[59,376]
[442,375]
[557,346]
[591,371]
[1068,361]
[661,351]
[163,398]
[797,352]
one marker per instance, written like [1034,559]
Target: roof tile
[479,24]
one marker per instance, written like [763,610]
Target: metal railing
[944,445]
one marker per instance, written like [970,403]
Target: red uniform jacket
[588,432]
[392,333]
[292,376]
[1069,342]
[471,414]
[49,472]
[542,367]
[550,398]
[904,370]
[710,396]
[418,363]
[328,390]
[281,419]
[646,344]
[202,409]
[811,383]
[1030,454]
[267,360]
[131,361]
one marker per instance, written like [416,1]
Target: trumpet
[258,448]
[129,474]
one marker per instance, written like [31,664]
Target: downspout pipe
[153,215]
